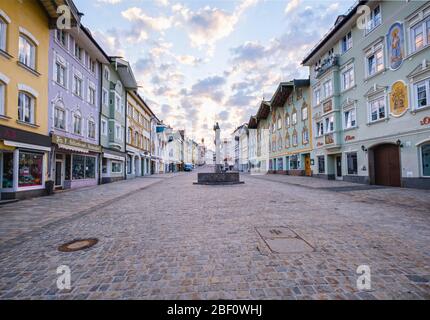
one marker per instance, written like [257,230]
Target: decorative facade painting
[396,45]
[399,102]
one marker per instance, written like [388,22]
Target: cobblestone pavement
[176,240]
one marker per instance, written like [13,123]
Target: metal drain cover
[79,244]
[283,240]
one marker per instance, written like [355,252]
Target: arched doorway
[386,165]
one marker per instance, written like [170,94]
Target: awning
[72,148]
[25,145]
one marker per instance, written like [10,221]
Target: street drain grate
[77,245]
[283,240]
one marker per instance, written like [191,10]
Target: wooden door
[387,165]
[308,170]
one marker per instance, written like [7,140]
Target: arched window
[295,138]
[287,141]
[304,111]
[59,117]
[26,112]
[77,123]
[294,116]
[279,142]
[91,128]
[305,136]
[287,120]
[27,52]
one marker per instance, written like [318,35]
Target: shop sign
[349,138]
[425,121]
[76,143]
[17,135]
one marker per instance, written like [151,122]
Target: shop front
[112,166]
[23,163]
[74,163]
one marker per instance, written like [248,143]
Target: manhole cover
[79,244]
[275,232]
[288,245]
[283,240]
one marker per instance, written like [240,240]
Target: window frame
[58,108]
[77,79]
[370,22]
[349,68]
[77,116]
[344,120]
[26,40]
[91,125]
[426,81]
[369,106]
[347,159]
[348,41]
[21,117]
[372,51]
[422,158]
[4,26]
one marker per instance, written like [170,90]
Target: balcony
[326,64]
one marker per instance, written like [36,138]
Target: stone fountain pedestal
[215,178]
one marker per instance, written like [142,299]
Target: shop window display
[30,169]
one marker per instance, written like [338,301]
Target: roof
[51,7]
[125,72]
[340,22]
[252,123]
[284,90]
[263,111]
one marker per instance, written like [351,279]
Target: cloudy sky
[198,61]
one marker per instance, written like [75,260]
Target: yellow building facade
[138,136]
[24,140]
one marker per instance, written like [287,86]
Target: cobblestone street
[165,238]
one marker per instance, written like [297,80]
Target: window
[351,159]
[116,167]
[78,52]
[375,19]
[328,88]
[305,113]
[422,92]
[60,76]
[425,152]
[91,96]
[92,65]
[118,135]
[105,98]
[3,34]
[348,77]
[30,172]
[61,37]
[130,110]
[136,138]
[349,119]
[106,74]
[129,135]
[347,42]
[377,109]
[321,164]
[329,124]
[305,136]
[77,124]
[2,98]
[317,96]
[104,127]
[59,118]
[279,123]
[287,120]
[118,103]
[77,90]
[320,129]
[83,167]
[294,162]
[27,52]
[91,129]
[375,61]
[25,108]
[287,141]
[294,117]
[295,139]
